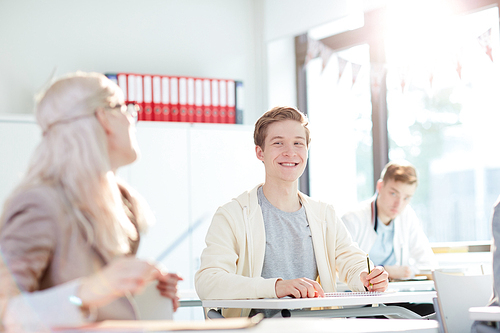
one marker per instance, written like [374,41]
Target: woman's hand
[167,285]
[121,276]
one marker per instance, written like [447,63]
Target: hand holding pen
[377,279]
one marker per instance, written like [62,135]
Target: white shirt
[411,246]
[382,251]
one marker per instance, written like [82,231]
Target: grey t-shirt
[289,248]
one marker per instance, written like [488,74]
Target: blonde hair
[278,113]
[73,156]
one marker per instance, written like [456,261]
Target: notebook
[354,293]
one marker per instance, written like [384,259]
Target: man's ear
[100,114]
[259,152]
[380,183]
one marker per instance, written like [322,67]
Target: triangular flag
[485,42]
[325,54]
[355,71]
[342,64]
[377,75]
[313,49]
[459,69]
[403,76]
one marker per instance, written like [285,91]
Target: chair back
[153,306]
[456,294]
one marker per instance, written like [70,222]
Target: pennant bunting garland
[378,71]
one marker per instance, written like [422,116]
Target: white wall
[19,136]
[215,38]
[281,78]
[294,17]
[207,38]
[283,20]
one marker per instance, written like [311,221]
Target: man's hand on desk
[398,272]
[299,288]
[377,280]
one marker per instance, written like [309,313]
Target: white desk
[299,325]
[424,285]
[323,325]
[296,304]
[303,325]
[485,313]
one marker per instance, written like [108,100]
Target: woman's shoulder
[39,199]
[32,215]
[38,193]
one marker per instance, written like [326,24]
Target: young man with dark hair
[387,228]
[275,241]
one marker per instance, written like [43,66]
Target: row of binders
[182,99]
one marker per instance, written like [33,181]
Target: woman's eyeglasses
[130,109]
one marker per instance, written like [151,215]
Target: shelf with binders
[182,98]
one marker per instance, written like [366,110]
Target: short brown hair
[278,113]
[401,171]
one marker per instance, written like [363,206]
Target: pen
[368,262]
[369,270]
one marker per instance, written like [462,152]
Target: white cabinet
[185,173]
[161,176]
[223,165]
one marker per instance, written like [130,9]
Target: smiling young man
[275,241]
[388,229]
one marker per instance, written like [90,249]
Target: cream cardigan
[231,264]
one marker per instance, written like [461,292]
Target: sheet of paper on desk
[414,278]
[351,294]
[163,325]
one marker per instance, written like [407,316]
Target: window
[443,116]
[339,107]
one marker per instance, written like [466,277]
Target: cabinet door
[161,177]
[223,165]
[18,140]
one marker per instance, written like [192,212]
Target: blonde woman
[69,231]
